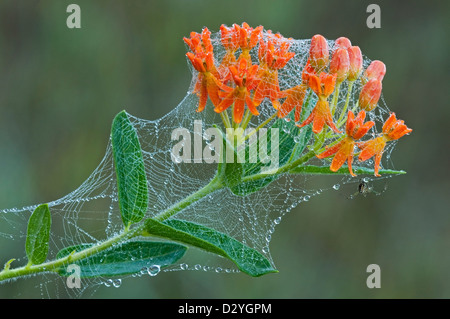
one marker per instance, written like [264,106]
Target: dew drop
[336,186]
[184,266]
[198,267]
[116,283]
[153,270]
[108,283]
[297,139]
[306,198]
[218,269]
[277,220]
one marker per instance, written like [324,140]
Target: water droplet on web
[336,186]
[297,139]
[198,267]
[184,266]
[306,198]
[153,270]
[277,220]
[108,283]
[116,283]
[218,269]
[268,238]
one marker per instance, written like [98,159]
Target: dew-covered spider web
[91,213]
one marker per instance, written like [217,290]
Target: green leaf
[130,170]
[247,259]
[325,170]
[38,233]
[231,169]
[127,258]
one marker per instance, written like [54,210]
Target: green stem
[214,185]
[283,169]
[335,99]
[53,266]
[261,126]
[347,100]
[247,117]
[225,119]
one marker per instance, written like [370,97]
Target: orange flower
[376,70]
[370,94]
[200,41]
[393,129]
[245,80]
[318,53]
[340,64]
[248,38]
[343,151]
[271,60]
[202,59]
[356,60]
[294,99]
[323,86]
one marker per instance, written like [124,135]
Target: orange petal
[338,160]
[377,163]
[318,123]
[371,147]
[203,98]
[329,82]
[314,84]
[226,102]
[250,105]
[309,119]
[362,130]
[238,110]
[330,150]
[387,126]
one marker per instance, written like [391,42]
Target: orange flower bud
[356,60]
[340,64]
[318,53]
[370,94]
[343,43]
[376,70]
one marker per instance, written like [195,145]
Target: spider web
[90,213]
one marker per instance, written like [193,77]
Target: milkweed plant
[269,107]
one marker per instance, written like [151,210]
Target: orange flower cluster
[240,80]
[253,80]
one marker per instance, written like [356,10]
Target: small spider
[364,188]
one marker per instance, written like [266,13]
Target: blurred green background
[61,88]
